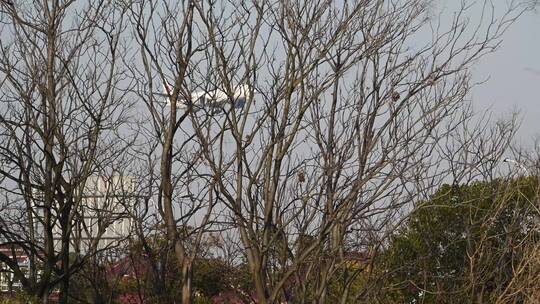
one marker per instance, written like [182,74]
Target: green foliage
[350,278]
[212,276]
[459,244]
[202,300]
[18,298]
[158,276]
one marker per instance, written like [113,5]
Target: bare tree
[60,119]
[171,171]
[350,111]
[341,129]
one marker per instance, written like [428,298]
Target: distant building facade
[104,216]
[102,222]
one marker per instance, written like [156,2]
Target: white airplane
[213,100]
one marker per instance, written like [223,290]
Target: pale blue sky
[514,75]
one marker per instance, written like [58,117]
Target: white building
[104,215]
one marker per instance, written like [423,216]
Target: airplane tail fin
[168,90]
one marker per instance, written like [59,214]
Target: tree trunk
[187,269]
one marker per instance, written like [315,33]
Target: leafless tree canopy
[353,111]
[61,119]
